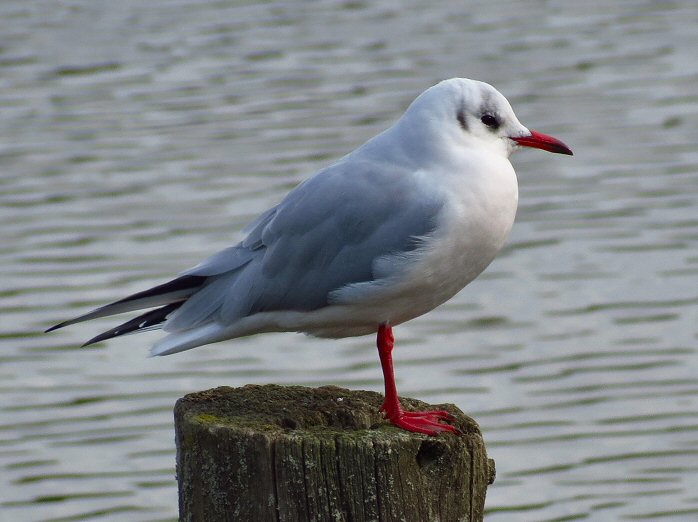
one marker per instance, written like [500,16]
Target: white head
[470,113]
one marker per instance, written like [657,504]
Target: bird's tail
[186,340]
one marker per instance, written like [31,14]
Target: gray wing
[327,233]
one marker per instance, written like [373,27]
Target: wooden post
[289,453]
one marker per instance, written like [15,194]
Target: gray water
[137,137]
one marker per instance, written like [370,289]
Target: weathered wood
[289,453]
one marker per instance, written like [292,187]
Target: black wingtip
[55,327]
[96,339]
[142,322]
[179,285]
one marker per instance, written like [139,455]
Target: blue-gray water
[136,137]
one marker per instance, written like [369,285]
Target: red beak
[539,140]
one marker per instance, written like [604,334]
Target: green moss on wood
[327,410]
[293,453]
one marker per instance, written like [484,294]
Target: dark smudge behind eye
[462,120]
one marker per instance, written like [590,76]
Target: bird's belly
[438,277]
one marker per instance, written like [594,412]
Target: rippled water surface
[136,137]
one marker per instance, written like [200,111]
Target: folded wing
[327,233]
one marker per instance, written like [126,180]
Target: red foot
[427,422]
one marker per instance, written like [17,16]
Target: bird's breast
[477,216]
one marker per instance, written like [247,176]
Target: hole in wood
[429,452]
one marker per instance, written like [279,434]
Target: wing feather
[176,290]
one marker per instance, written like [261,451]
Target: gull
[385,234]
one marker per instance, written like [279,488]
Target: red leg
[428,422]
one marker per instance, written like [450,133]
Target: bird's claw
[427,422]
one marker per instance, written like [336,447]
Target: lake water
[137,137]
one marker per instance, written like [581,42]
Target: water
[137,137]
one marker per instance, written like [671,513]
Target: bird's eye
[490,120]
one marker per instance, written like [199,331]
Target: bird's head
[473,113]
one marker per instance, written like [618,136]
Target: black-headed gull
[385,234]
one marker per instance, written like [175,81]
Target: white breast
[473,228]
